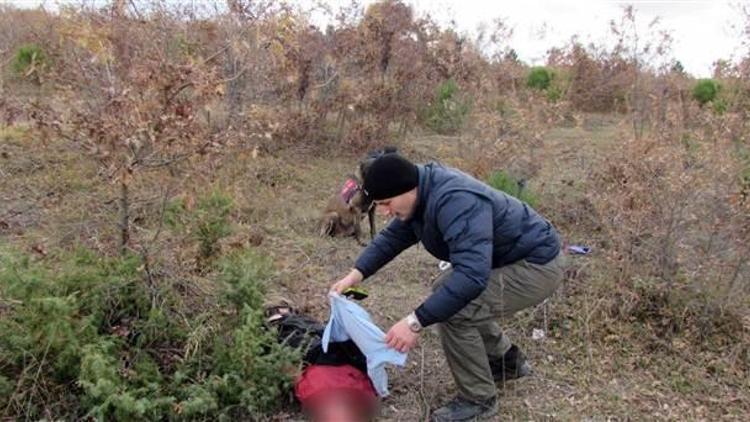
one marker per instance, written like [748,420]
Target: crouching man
[505,257]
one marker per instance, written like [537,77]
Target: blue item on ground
[350,321]
[578,250]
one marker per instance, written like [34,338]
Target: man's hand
[353,278]
[401,337]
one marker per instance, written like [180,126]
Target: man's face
[401,206]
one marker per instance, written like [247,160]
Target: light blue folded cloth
[350,321]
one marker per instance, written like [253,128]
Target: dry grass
[590,365]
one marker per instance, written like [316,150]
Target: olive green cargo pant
[473,336]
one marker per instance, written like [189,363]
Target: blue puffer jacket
[473,226]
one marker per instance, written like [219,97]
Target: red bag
[329,392]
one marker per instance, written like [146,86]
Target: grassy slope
[582,371]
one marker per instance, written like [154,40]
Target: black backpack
[305,333]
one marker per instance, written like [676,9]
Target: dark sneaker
[460,409]
[512,366]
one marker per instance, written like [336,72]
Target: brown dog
[344,212]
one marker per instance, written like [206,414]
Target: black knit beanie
[390,175]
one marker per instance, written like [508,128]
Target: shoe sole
[483,417]
[488,415]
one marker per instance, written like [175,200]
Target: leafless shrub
[674,211]
[128,93]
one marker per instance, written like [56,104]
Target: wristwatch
[413,322]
